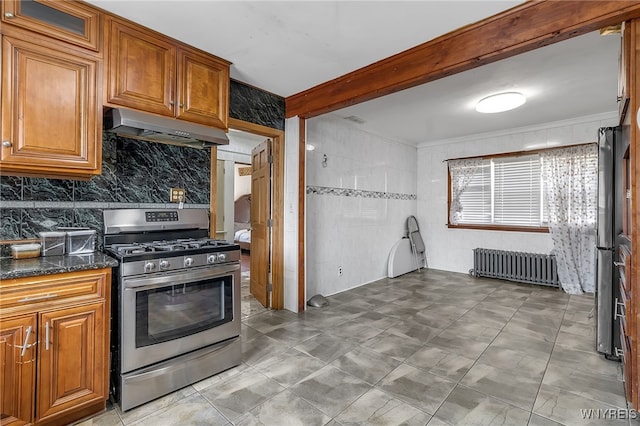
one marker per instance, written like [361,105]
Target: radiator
[530,268]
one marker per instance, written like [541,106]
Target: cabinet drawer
[51,290]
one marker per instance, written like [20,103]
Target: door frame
[277,196]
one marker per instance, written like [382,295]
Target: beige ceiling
[288,46]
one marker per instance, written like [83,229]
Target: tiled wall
[134,174]
[452,249]
[357,205]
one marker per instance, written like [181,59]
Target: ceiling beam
[520,29]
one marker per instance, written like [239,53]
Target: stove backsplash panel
[41,189]
[104,188]
[135,174]
[10,220]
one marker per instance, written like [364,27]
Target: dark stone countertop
[47,265]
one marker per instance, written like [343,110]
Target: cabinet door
[141,69]
[72,22]
[73,359]
[17,379]
[50,121]
[203,89]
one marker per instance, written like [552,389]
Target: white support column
[291,214]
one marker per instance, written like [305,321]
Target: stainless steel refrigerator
[610,198]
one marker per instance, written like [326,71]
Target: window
[501,192]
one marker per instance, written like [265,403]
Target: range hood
[154,128]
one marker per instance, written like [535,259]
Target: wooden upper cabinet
[72,22]
[140,69]
[17,368]
[51,116]
[203,89]
[153,73]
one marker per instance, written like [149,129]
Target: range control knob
[222,257]
[164,264]
[149,266]
[188,261]
[211,259]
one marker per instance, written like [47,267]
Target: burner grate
[178,246]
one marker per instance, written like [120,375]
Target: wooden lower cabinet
[624,310]
[54,354]
[18,370]
[69,359]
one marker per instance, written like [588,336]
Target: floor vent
[532,268]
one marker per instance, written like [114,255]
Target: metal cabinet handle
[31,299]
[181,105]
[46,335]
[616,314]
[7,144]
[26,344]
[619,264]
[8,15]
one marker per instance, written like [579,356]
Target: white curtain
[461,172]
[570,178]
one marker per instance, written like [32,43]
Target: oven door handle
[183,277]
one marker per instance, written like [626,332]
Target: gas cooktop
[179,245]
[129,252]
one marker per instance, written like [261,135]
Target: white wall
[452,249]
[348,229]
[291,214]
[241,184]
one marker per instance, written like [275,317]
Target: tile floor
[430,347]
[248,304]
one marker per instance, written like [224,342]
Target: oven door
[167,315]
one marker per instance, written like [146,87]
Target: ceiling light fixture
[500,102]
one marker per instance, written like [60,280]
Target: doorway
[232,200]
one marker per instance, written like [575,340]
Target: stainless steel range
[177,315]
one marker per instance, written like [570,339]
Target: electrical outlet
[176,195]
[339,271]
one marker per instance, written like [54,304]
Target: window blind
[505,191]
[517,197]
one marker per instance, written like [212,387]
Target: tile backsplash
[134,174]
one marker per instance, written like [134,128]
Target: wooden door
[49,110]
[203,89]
[141,69]
[72,359]
[17,368]
[260,214]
